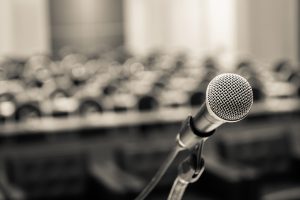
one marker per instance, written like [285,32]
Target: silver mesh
[229,96]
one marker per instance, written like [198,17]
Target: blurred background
[93,93]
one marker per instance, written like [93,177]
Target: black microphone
[229,98]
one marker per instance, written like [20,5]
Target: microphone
[229,98]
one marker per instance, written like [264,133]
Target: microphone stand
[159,174]
[187,138]
[189,171]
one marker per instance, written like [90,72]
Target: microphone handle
[205,121]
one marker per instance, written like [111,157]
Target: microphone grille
[229,96]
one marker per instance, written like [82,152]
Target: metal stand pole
[189,171]
[188,138]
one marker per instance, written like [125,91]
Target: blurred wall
[86,25]
[268,29]
[24,27]
[264,29]
[165,25]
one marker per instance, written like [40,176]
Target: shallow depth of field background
[93,93]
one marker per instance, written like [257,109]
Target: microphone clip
[189,171]
[193,166]
[189,136]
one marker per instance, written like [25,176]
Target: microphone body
[229,98]
[197,128]
[206,121]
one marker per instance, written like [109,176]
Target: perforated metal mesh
[229,96]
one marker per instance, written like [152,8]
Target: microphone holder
[189,171]
[188,138]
